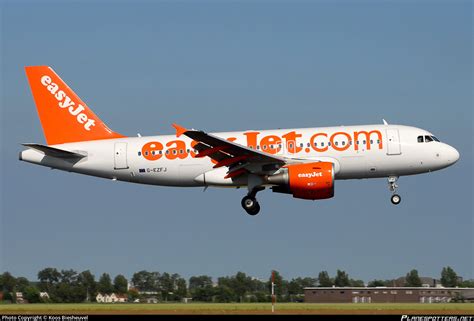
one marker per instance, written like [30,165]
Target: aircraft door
[120,156]
[393,142]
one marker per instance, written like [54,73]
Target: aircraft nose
[452,155]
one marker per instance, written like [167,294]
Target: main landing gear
[392,186]
[250,203]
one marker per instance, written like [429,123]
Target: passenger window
[420,139]
[428,139]
[329,143]
[139,153]
[336,143]
[322,144]
[343,143]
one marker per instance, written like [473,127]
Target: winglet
[179,130]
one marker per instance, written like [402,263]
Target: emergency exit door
[120,156]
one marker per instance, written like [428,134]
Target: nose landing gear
[396,199]
[392,186]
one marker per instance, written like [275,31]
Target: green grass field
[239,308]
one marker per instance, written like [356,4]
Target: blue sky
[235,66]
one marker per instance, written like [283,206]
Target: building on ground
[19,297]
[150,300]
[111,298]
[386,294]
[426,281]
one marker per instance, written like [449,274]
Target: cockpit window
[420,139]
[428,139]
[436,139]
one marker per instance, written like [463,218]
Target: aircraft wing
[236,157]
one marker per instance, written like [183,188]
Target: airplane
[302,162]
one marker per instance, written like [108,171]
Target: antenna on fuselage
[384,122]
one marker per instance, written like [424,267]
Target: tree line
[70,286]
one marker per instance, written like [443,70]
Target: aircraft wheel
[255,210]
[396,199]
[250,205]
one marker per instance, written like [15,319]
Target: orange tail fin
[65,118]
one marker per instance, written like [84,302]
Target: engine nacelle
[311,181]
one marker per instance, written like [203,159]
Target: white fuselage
[366,151]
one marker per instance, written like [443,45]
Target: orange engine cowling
[311,181]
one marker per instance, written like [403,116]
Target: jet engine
[311,181]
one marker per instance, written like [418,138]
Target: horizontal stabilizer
[54,152]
